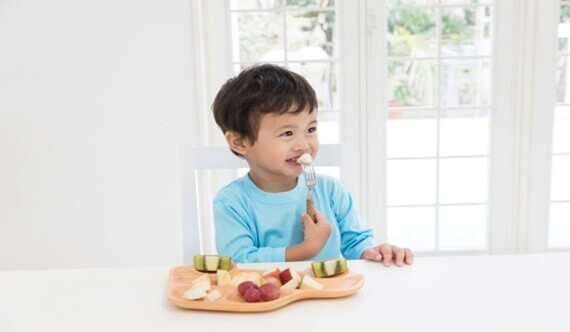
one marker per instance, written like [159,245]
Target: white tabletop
[474,293]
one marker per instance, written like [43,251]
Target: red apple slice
[288,274]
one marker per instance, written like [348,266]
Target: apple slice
[202,278]
[292,284]
[213,295]
[272,273]
[195,293]
[310,283]
[272,280]
[224,278]
[288,274]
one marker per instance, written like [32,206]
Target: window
[438,104]
[451,141]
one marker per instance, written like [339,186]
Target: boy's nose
[302,145]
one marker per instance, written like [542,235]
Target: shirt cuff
[278,254]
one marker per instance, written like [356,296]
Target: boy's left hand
[387,254]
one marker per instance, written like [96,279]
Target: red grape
[244,286]
[269,292]
[252,295]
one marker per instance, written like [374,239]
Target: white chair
[194,159]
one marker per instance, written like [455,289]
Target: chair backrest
[194,159]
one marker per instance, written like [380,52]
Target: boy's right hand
[317,232]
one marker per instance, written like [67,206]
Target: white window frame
[524,58]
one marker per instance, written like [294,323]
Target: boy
[268,115]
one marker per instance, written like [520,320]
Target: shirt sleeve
[354,238]
[236,234]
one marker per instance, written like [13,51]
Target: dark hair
[260,90]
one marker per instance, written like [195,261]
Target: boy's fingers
[305,218]
[372,255]
[409,256]
[400,255]
[386,252]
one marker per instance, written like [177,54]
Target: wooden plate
[181,277]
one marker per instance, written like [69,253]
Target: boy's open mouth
[293,160]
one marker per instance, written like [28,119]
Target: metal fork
[311,181]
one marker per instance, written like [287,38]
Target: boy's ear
[237,143]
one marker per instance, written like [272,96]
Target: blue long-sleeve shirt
[256,226]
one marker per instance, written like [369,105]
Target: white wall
[94,103]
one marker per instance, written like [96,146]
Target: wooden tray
[181,276]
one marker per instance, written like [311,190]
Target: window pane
[411,182]
[561,142]
[258,37]
[412,83]
[463,180]
[465,82]
[255,4]
[559,231]
[466,31]
[464,2]
[464,132]
[411,32]
[393,3]
[328,130]
[412,227]
[560,183]
[322,76]
[310,3]
[562,86]
[564,28]
[463,227]
[411,134]
[310,35]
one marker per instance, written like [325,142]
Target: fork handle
[311,207]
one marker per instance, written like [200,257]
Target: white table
[475,293]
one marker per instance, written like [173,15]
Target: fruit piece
[199,262]
[254,277]
[223,278]
[212,263]
[272,273]
[272,280]
[329,268]
[194,293]
[269,292]
[201,278]
[288,274]
[213,295]
[252,295]
[244,286]
[291,284]
[310,283]
[202,285]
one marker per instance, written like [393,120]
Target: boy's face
[281,140]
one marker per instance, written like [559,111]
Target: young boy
[268,115]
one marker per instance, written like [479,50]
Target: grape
[244,286]
[252,295]
[269,292]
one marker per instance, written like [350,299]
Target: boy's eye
[287,133]
[312,129]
